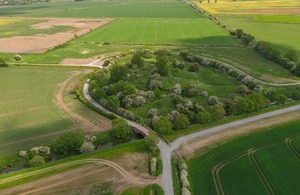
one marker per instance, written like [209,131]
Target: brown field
[42,43]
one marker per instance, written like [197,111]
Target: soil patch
[42,43]
[189,149]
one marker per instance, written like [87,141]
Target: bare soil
[42,43]
[189,149]
[120,173]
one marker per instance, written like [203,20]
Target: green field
[96,9]
[168,31]
[272,166]
[283,35]
[29,115]
[295,19]
[22,27]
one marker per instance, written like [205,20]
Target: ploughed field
[260,163]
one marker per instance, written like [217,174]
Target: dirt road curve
[167,149]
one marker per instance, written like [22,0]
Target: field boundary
[292,147]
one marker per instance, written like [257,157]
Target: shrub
[139,101]
[3,63]
[37,160]
[203,117]
[176,89]
[163,125]
[181,121]
[191,90]
[113,103]
[23,153]
[118,73]
[137,59]
[120,129]
[217,111]
[212,100]
[153,163]
[67,144]
[194,67]
[152,112]
[87,147]
[204,93]
[106,62]
[18,57]
[291,55]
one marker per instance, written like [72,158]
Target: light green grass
[22,27]
[277,160]
[277,18]
[283,36]
[28,108]
[167,31]
[96,9]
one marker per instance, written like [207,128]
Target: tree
[120,129]
[37,160]
[162,65]
[163,125]
[291,55]
[181,121]
[212,100]
[137,59]
[152,141]
[203,117]
[87,147]
[239,33]
[297,70]
[217,111]
[118,73]
[3,63]
[281,99]
[67,144]
[113,102]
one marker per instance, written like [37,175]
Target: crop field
[22,27]
[29,115]
[169,31]
[268,160]
[250,7]
[268,31]
[293,19]
[96,9]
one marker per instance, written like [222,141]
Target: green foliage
[120,129]
[113,102]
[67,144]
[3,63]
[37,160]
[250,103]
[291,55]
[282,99]
[162,65]
[181,121]
[163,126]
[12,160]
[152,141]
[137,59]
[217,112]
[203,117]
[153,189]
[239,33]
[118,73]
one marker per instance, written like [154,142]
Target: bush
[194,67]
[203,117]
[181,121]
[18,57]
[118,73]
[152,112]
[67,144]
[217,112]
[153,163]
[113,103]
[162,125]
[3,63]
[87,147]
[37,160]
[120,129]
[212,100]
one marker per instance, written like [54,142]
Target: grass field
[29,115]
[283,35]
[294,19]
[249,7]
[174,31]
[21,27]
[270,166]
[96,9]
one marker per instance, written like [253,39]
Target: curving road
[167,149]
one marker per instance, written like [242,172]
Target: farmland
[108,9]
[268,29]
[251,159]
[167,31]
[29,114]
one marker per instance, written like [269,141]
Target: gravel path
[167,149]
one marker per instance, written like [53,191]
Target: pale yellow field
[6,21]
[250,7]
